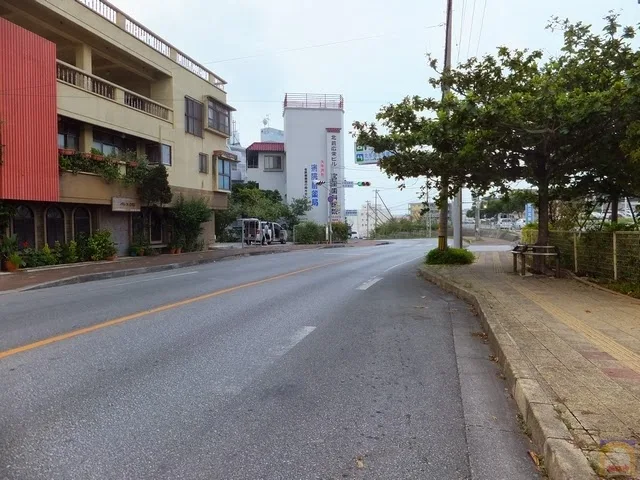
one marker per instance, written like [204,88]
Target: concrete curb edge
[563,459]
[92,277]
[573,276]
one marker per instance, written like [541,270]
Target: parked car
[520,223]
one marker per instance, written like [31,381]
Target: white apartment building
[366,220]
[311,151]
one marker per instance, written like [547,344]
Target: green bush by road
[450,256]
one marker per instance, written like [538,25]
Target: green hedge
[450,256]
[309,233]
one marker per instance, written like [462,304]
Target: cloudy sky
[371,51]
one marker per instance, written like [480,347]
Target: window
[272,162]
[112,143]
[24,227]
[193,116]
[54,219]
[224,174]
[252,159]
[158,153]
[81,222]
[218,116]
[203,160]
[68,134]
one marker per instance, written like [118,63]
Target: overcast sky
[371,51]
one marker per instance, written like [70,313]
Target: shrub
[341,231]
[309,232]
[450,256]
[70,252]
[47,256]
[188,217]
[100,245]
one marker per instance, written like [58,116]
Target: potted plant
[97,154]
[8,246]
[13,262]
[86,155]
[133,250]
[179,243]
[66,151]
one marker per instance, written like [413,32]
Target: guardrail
[90,83]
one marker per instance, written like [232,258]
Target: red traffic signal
[364,184]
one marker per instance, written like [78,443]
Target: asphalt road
[325,364]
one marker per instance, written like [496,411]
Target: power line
[464,6]
[318,45]
[484,10]
[473,14]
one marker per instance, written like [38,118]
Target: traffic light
[363,184]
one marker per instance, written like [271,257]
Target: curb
[563,460]
[91,277]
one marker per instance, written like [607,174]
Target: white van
[505,222]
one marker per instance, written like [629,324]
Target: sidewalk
[571,357]
[62,275]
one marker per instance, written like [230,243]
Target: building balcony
[109,105]
[97,86]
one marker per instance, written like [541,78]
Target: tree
[154,186]
[605,64]
[528,121]
[297,208]
[427,137]
[513,201]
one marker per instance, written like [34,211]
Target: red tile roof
[266,147]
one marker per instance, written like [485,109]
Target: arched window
[81,222]
[55,226]
[24,227]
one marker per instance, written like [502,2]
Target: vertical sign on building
[529,213]
[315,202]
[333,141]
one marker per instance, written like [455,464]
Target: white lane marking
[369,283]
[150,279]
[296,338]
[351,254]
[400,264]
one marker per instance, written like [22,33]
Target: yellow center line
[163,308]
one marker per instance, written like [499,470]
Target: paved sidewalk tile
[583,343]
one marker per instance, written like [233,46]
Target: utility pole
[428,213]
[375,210]
[367,218]
[478,206]
[444,192]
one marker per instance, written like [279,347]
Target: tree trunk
[543,223]
[615,200]
[444,214]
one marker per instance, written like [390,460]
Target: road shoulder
[563,459]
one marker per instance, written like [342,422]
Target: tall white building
[367,219]
[312,152]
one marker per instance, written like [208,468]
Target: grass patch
[450,256]
[631,289]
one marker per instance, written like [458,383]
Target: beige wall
[92,189]
[80,22]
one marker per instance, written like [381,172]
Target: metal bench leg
[515,263]
[557,266]
[523,267]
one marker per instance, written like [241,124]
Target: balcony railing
[313,100]
[129,25]
[90,83]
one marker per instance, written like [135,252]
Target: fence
[466,232]
[607,255]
